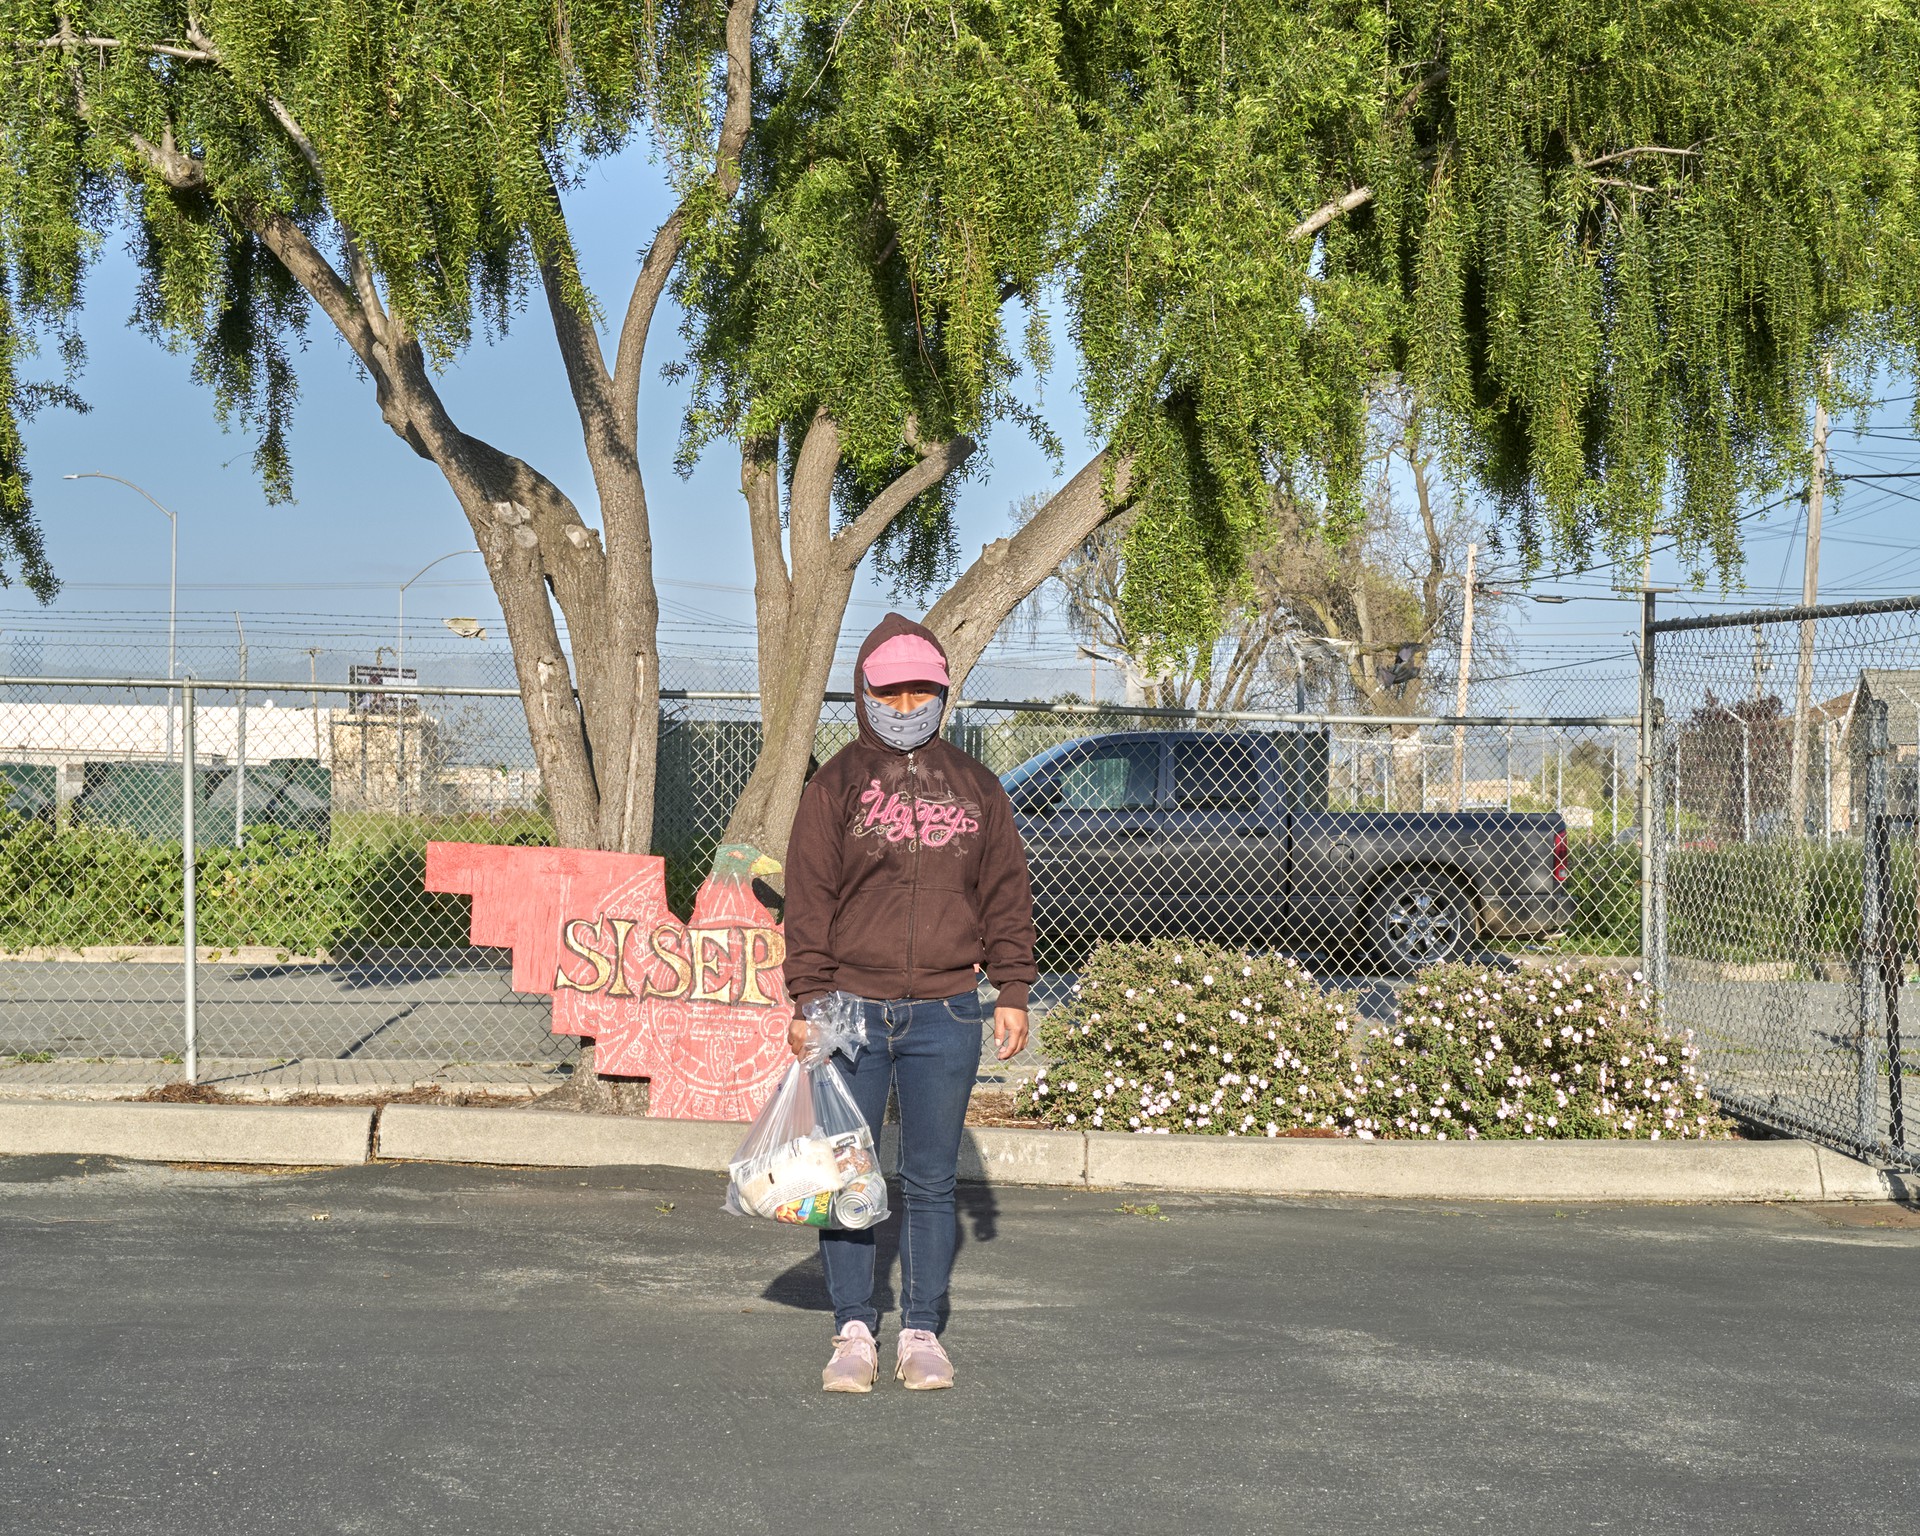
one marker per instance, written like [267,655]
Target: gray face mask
[906,732]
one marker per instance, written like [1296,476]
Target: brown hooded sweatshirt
[904,870]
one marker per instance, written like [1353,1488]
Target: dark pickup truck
[1226,835]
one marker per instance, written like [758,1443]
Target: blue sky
[370,513]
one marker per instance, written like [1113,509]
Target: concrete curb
[1559,1171]
[189,1133]
[545,1138]
[1563,1171]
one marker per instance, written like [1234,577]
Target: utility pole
[240,746]
[1460,704]
[1809,595]
[1093,673]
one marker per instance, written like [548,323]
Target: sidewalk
[1664,1171]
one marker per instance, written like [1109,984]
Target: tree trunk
[800,613]
[969,614]
[800,609]
[592,719]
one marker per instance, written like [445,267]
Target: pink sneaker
[920,1362]
[855,1362]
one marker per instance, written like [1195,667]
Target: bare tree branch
[304,262]
[1643,149]
[1359,197]
[612,449]
[180,171]
[1414,92]
[161,50]
[969,612]
[671,236]
[1326,213]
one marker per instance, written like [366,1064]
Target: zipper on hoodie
[913,888]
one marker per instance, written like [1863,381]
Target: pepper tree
[1612,248]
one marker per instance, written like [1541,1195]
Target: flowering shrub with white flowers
[1572,1052]
[1168,1038]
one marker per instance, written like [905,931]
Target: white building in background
[380,759]
[65,733]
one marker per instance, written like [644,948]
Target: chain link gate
[1778,837]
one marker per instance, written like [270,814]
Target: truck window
[1216,773]
[1117,776]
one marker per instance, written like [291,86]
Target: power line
[1587,570]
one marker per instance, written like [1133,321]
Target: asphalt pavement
[415,1350]
[404,1005]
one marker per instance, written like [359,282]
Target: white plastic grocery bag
[808,1158]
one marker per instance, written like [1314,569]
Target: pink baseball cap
[906,659]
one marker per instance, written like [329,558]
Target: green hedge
[284,889]
[1604,880]
[1738,903]
[1771,901]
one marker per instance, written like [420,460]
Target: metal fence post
[1892,973]
[1873,865]
[1650,842]
[190,938]
[240,750]
[1664,743]
[1613,786]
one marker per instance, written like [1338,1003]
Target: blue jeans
[930,1049]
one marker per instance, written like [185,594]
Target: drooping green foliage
[1658,220]
[1221,353]
[1611,246]
[19,534]
[434,130]
[914,169]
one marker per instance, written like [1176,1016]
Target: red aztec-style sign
[698,1007]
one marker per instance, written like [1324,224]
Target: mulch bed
[209,1093]
[998,1109]
[990,1108]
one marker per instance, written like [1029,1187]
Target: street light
[173,578]
[400,633]
[400,667]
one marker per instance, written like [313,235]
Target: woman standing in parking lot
[905,878]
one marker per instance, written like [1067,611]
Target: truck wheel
[1420,919]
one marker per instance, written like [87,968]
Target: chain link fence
[1783,859]
[1775,830]
[322,964]
[319,960]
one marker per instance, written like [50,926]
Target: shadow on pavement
[803,1286]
